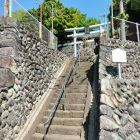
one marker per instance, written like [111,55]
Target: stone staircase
[68,124]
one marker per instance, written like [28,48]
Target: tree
[135,5]
[131,13]
[131,10]
[26,20]
[67,18]
[19,15]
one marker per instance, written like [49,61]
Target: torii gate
[101,28]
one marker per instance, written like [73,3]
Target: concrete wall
[119,98]
[27,67]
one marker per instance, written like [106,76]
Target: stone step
[39,136]
[59,82]
[80,73]
[82,63]
[66,114]
[77,86]
[64,121]
[82,66]
[60,129]
[70,101]
[81,69]
[77,82]
[76,90]
[75,107]
[79,76]
[72,87]
[71,95]
[73,84]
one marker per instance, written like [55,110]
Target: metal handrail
[46,125]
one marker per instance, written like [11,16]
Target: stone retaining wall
[89,52]
[119,98]
[27,66]
[129,70]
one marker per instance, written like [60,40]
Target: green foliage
[135,5]
[63,17]
[19,15]
[123,15]
[26,20]
[131,10]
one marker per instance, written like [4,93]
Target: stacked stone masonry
[119,98]
[27,66]
[89,51]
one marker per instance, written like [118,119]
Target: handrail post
[40,30]
[75,49]
[74,73]
[137,27]
[64,98]
[44,138]
[101,31]
[79,58]
[10,8]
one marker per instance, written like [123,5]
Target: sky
[92,8]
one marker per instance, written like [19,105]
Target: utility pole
[40,25]
[123,37]
[52,25]
[104,15]
[51,14]
[112,21]
[6,7]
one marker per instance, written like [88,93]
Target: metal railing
[47,124]
[132,29]
[18,12]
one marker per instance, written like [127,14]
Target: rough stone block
[7,78]
[108,124]
[9,40]
[106,100]
[9,21]
[8,62]
[9,51]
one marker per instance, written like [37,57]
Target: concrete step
[39,136]
[64,121]
[83,67]
[60,129]
[83,63]
[66,114]
[77,82]
[77,86]
[79,73]
[72,95]
[70,101]
[79,78]
[73,84]
[76,90]
[75,107]
[71,90]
